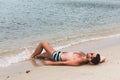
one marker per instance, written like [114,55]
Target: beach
[68,25]
[108,47]
[61,23]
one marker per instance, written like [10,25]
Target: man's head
[93,58]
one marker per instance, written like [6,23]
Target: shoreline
[105,47]
[22,55]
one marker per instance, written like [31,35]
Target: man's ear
[102,59]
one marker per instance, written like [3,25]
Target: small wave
[8,60]
[86,40]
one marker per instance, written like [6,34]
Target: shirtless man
[65,58]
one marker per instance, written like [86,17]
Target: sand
[109,70]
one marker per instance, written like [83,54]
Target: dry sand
[110,70]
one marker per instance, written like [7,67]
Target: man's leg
[40,47]
[44,55]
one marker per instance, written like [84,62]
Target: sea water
[24,23]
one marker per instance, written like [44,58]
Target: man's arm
[69,63]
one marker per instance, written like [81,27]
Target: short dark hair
[96,59]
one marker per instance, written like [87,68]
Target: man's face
[90,56]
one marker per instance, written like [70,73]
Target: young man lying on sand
[65,58]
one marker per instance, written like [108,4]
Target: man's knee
[43,42]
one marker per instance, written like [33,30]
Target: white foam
[86,40]
[8,60]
